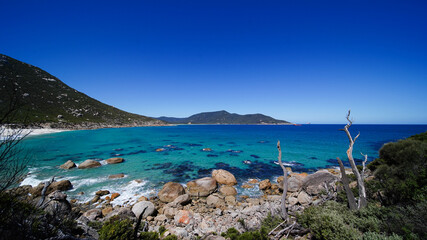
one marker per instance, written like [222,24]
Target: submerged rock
[114,176]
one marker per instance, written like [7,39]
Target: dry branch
[285,184]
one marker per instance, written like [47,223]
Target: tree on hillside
[362,202]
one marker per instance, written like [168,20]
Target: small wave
[86,182]
[130,192]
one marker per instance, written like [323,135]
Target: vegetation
[44,97]
[398,199]
[224,117]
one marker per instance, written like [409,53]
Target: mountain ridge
[224,117]
[42,100]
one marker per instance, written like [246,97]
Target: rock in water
[68,165]
[224,177]
[114,176]
[201,187]
[114,160]
[89,164]
[170,191]
[140,206]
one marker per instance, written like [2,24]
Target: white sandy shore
[28,131]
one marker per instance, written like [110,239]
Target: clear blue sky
[301,61]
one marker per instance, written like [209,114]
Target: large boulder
[68,165]
[313,184]
[63,185]
[294,183]
[228,190]
[139,207]
[121,212]
[89,164]
[56,204]
[304,199]
[170,191]
[180,201]
[201,187]
[224,177]
[93,214]
[114,160]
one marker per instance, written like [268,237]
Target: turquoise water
[305,148]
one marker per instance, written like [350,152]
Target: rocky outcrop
[170,191]
[201,187]
[68,165]
[93,214]
[89,164]
[224,177]
[63,185]
[114,160]
[316,182]
[265,184]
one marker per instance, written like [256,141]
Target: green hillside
[224,117]
[44,100]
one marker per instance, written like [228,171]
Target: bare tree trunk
[348,192]
[285,184]
[360,183]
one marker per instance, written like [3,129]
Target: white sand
[28,131]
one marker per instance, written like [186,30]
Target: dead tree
[360,181]
[285,184]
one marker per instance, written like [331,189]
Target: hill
[224,117]
[42,100]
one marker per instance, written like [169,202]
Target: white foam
[130,192]
[86,182]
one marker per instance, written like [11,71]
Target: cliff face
[44,100]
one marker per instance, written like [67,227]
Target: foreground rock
[114,160]
[68,165]
[201,187]
[139,207]
[63,185]
[89,164]
[224,177]
[314,183]
[170,191]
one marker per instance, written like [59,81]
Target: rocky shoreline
[204,207]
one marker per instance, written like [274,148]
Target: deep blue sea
[305,149]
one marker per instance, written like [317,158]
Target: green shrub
[330,221]
[116,229]
[162,230]
[171,237]
[233,234]
[378,236]
[270,222]
[401,172]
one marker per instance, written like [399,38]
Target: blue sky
[301,61]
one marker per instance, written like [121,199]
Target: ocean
[156,155]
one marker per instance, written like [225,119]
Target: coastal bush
[233,234]
[270,222]
[401,172]
[378,236]
[116,229]
[171,237]
[149,236]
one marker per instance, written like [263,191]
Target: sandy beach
[4,131]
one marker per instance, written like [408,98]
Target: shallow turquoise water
[305,148]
